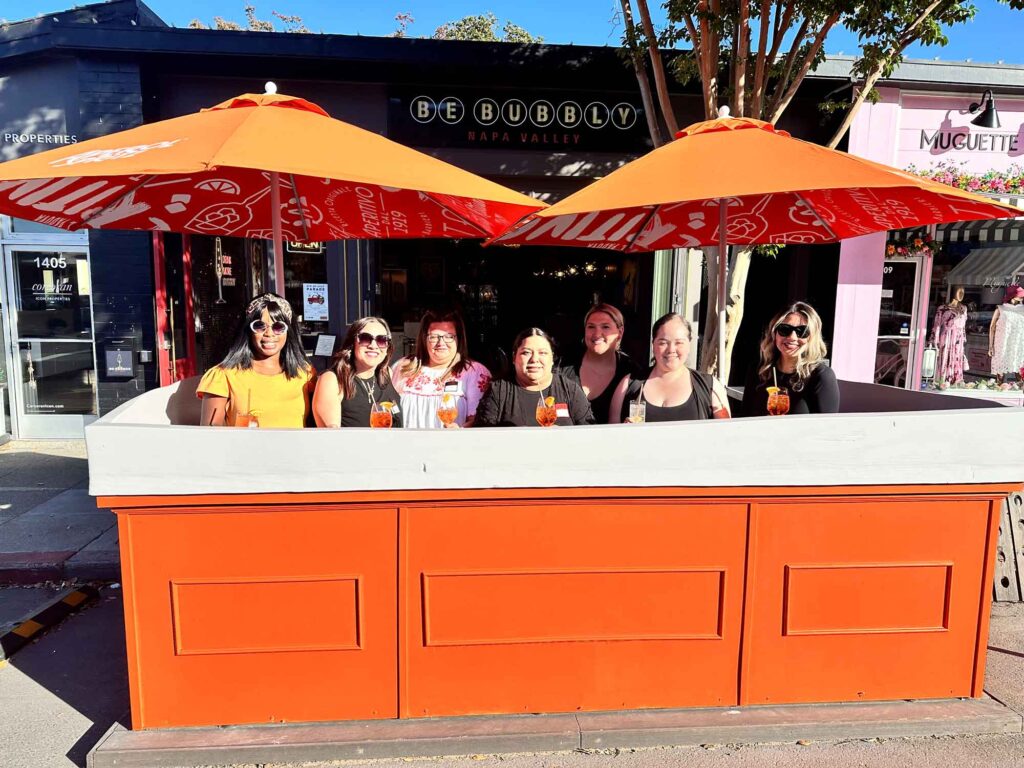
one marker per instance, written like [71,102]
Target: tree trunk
[708,359]
[640,68]
[739,268]
[659,69]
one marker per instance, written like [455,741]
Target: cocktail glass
[380,416]
[637,411]
[447,410]
[546,414]
[778,401]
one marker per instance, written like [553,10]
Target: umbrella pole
[275,214]
[723,267]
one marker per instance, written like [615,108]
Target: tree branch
[781,27]
[805,67]
[904,39]
[787,67]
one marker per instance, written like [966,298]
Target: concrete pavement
[50,528]
[59,695]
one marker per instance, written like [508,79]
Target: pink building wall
[905,129]
[859,293]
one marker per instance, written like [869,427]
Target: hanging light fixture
[988,118]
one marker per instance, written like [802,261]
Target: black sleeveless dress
[697,406]
[355,411]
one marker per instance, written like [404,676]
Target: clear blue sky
[994,35]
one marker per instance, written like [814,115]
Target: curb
[59,608]
[502,734]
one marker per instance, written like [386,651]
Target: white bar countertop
[135,450]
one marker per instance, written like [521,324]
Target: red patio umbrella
[259,166]
[740,181]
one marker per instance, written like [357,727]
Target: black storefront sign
[544,121]
[119,359]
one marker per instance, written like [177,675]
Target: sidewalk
[50,528]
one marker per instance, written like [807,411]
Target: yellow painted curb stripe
[27,628]
[75,598]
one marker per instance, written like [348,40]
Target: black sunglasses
[785,330]
[278,327]
[366,338]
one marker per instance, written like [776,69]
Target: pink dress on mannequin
[949,335]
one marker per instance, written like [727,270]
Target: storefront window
[305,271]
[23,227]
[57,377]
[53,295]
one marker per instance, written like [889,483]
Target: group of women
[266,381]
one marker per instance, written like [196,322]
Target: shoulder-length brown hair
[421,356]
[344,365]
[813,351]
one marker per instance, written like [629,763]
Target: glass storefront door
[51,376]
[897,322]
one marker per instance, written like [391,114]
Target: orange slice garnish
[549,401]
[772,390]
[387,404]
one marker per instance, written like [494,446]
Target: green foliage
[253,23]
[884,29]
[484,27]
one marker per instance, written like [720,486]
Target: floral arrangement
[921,244]
[982,385]
[953,173]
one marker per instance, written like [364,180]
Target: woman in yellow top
[264,380]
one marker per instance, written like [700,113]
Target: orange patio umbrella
[740,181]
[260,166]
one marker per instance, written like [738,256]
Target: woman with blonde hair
[603,364]
[793,358]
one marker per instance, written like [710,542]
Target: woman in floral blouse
[440,371]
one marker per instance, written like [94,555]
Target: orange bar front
[364,605]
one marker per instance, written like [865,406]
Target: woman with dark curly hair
[264,380]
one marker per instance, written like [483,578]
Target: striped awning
[989,267]
[986,230]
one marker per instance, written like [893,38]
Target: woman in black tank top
[603,365]
[671,391]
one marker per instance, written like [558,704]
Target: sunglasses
[278,327]
[785,330]
[367,338]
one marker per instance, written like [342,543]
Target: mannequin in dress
[949,335]
[1006,334]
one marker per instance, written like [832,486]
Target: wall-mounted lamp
[988,118]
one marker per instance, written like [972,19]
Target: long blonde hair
[812,353]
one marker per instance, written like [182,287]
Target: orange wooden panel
[280,614]
[562,606]
[917,598]
[861,600]
[253,616]
[566,606]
